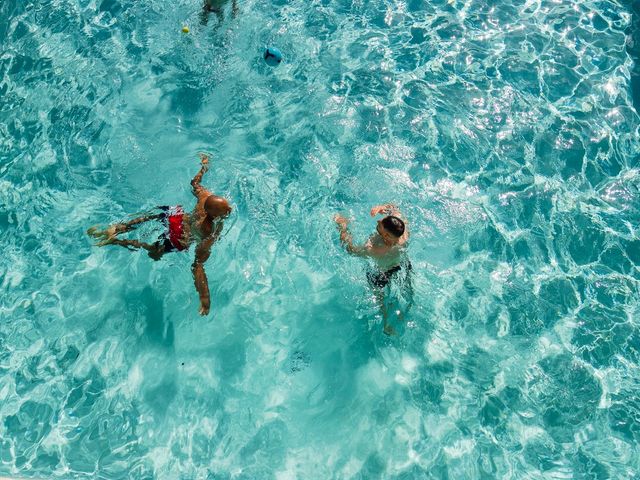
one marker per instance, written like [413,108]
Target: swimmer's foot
[106,236]
[94,232]
[389,330]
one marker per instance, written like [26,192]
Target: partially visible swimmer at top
[217,7]
[387,248]
[202,226]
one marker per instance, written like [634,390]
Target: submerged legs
[387,328]
[108,236]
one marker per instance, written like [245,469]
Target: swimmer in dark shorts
[387,247]
[217,7]
[203,225]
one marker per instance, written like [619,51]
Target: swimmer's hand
[345,236]
[204,160]
[341,221]
[205,305]
[387,208]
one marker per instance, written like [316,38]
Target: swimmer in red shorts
[203,225]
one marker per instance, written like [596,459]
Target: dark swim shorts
[379,279]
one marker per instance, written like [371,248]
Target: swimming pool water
[506,131]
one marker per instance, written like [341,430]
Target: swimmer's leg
[387,328]
[154,249]
[113,230]
[207,8]
[131,224]
[204,14]
[406,293]
[130,244]
[378,282]
[408,290]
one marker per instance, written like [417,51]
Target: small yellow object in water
[185,29]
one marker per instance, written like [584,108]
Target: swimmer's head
[216,206]
[391,227]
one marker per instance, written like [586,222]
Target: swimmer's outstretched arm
[347,239]
[203,250]
[195,182]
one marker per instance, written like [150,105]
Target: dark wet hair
[393,225]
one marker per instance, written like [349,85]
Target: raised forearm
[195,182]
[347,240]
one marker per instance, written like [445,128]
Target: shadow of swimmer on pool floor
[387,248]
[203,225]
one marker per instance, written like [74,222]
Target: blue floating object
[272,56]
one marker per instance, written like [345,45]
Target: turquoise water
[505,131]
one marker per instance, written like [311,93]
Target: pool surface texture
[507,133]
